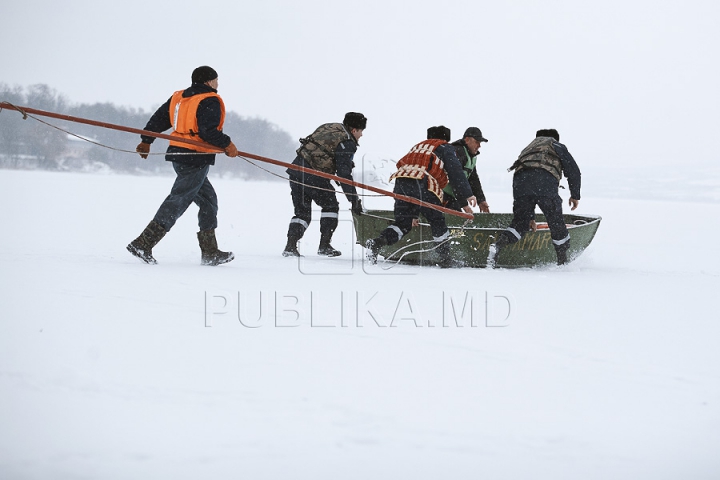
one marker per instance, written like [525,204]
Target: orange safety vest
[183,116]
[422,162]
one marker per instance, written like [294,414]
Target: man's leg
[206,200]
[300,221]
[523,212]
[330,208]
[187,184]
[405,213]
[440,232]
[552,208]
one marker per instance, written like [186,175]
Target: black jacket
[473,177]
[454,170]
[209,113]
[539,182]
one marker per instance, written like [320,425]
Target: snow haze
[624,82]
[270,368]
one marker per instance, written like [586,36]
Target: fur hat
[548,133]
[355,120]
[475,133]
[440,132]
[203,74]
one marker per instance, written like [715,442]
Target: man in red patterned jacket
[423,173]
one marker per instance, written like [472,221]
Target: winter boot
[211,255]
[446,260]
[494,250]
[291,249]
[325,249]
[373,247]
[142,246]
[561,251]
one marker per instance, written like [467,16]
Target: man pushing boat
[538,171]
[429,167]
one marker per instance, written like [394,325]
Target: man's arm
[344,154]
[476,186]
[455,173]
[209,113]
[570,169]
[477,190]
[159,122]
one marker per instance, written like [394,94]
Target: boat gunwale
[594,219]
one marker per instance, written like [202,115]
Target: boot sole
[210,263]
[137,253]
[329,254]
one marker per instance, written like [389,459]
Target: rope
[387,259]
[25,115]
[85,139]
[301,183]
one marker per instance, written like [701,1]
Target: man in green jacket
[467,150]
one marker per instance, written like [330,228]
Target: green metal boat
[470,241]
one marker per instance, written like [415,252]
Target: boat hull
[470,241]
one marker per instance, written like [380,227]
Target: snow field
[110,368]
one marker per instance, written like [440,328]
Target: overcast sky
[623,81]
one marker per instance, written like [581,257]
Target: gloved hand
[231,150]
[357,207]
[143,149]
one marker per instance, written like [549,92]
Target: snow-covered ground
[270,368]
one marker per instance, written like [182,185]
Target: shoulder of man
[196,89]
[560,149]
[448,148]
[348,145]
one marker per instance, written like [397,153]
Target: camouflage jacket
[318,149]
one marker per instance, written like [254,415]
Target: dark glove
[357,207]
[143,149]
[231,150]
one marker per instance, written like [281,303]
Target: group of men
[435,171]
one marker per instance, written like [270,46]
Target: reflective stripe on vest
[183,116]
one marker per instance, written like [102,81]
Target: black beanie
[440,132]
[203,74]
[551,132]
[355,120]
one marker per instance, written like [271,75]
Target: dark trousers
[191,186]
[406,212]
[303,194]
[524,211]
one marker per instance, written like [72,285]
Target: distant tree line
[29,144]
